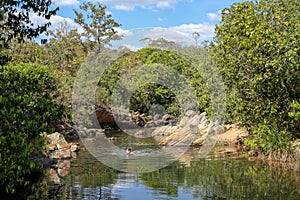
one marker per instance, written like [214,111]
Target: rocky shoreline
[193,130]
[60,153]
[197,127]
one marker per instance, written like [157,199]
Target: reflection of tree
[205,179]
[88,174]
[218,179]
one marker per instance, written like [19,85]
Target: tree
[102,28]
[66,49]
[196,36]
[257,51]
[16,22]
[160,43]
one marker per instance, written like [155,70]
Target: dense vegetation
[140,66]
[27,109]
[257,52]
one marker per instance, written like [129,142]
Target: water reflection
[225,178]
[149,155]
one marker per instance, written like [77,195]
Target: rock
[112,138]
[56,138]
[183,122]
[63,146]
[232,134]
[75,147]
[157,117]
[194,120]
[183,137]
[158,123]
[48,162]
[164,131]
[166,117]
[198,142]
[190,113]
[63,163]
[193,123]
[202,117]
[53,177]
[104,115]
[63,172]
[60,127]
[52,147]
[61,154]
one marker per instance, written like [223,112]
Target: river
[214,177]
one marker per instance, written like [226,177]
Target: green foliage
[150,96]
[66,50]
[97,24]
[15,20]
[27,109]
[144,65]
[270,139]
[257,53]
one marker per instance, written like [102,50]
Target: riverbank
[196,130]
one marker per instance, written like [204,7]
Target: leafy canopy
[98,26]
[257,51]
[16,19]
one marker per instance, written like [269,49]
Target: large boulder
[104,115]
[183,134]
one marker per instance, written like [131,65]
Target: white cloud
[131,4]
[182,34]
[124,7]
[206,31]
[214,16]
[160,19]
[123,32]
[163,4]
[55,21]
[65,2]
[132,47]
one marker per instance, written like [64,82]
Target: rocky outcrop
[60,154]
[194,128]
[59,148]
[233,134]
[84,132]
[187,131]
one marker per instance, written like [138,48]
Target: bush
[27,109]
[257,51]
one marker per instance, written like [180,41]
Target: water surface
[225,177]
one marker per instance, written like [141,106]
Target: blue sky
[174,20]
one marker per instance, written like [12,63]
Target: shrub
[27,109]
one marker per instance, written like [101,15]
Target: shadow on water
[211,178]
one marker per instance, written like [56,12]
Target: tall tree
[101,28]
[196,36]
[16,22]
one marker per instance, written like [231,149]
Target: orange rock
[63,146]
[52,147]
[63,171]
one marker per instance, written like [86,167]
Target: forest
[255,50]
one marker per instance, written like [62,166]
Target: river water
[214,177]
